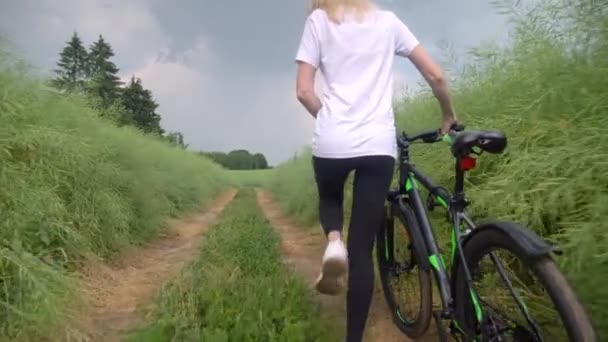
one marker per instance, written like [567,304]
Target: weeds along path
[303,249]
[119,291]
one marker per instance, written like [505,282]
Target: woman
[353,44]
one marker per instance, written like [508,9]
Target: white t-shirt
[356,60]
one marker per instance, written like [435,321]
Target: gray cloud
[223,71]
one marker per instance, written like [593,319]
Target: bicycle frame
[409,179]
[455,203]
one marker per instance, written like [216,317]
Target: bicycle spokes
[526,313]
[404,280]
[520,303]
[496,327]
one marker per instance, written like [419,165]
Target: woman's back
[355,132]
[356,59]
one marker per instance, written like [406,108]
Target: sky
[223,72]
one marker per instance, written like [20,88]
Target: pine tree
[104,82]
[139,102]
[73,66]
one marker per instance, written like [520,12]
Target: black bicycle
[522,260]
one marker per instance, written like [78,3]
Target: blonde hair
[337,9]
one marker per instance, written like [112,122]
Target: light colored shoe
[335,265]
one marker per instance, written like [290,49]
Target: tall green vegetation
[75,186]
[294,186]
[238,290]
[547,91]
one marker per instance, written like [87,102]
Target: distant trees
[260,161]
[238,160]
[93,74]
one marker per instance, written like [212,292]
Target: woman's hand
[447,122]
[433,74]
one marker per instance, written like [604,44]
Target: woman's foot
[335,263]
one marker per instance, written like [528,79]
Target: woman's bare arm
[433,74]
[305,88]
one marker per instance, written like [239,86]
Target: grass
[295,189]
[238,290]
[249,178]
[72,187]
[547,92]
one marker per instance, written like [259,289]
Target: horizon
[214,80]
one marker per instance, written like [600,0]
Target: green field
[238,290]
[249,178]
[547,92]
[74,187]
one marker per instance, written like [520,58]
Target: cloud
[130,26]
[215,113]
[41,28]
[282,124]
[223,71]
[178,83]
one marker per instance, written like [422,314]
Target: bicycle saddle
[488,141]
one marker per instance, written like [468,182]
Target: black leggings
[373,176]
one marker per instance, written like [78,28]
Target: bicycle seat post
[459,202]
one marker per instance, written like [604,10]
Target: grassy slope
[73,186]
[553,178]
[238,290]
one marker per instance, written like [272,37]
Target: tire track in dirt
[303,249]
[120,293]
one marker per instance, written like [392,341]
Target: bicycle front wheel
[404,272]
[522,298]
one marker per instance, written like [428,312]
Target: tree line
[238,160]
[92,74]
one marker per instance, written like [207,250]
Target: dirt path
[303,249]
[118,293]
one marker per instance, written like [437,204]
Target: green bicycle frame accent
[437,262]
[407,193]
[410,183]
[478,311]
[442,202]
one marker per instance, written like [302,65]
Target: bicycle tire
[411,327]
[572,313]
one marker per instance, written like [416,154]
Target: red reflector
[467,163]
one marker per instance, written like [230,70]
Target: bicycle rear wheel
[549,310]
[404,271]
